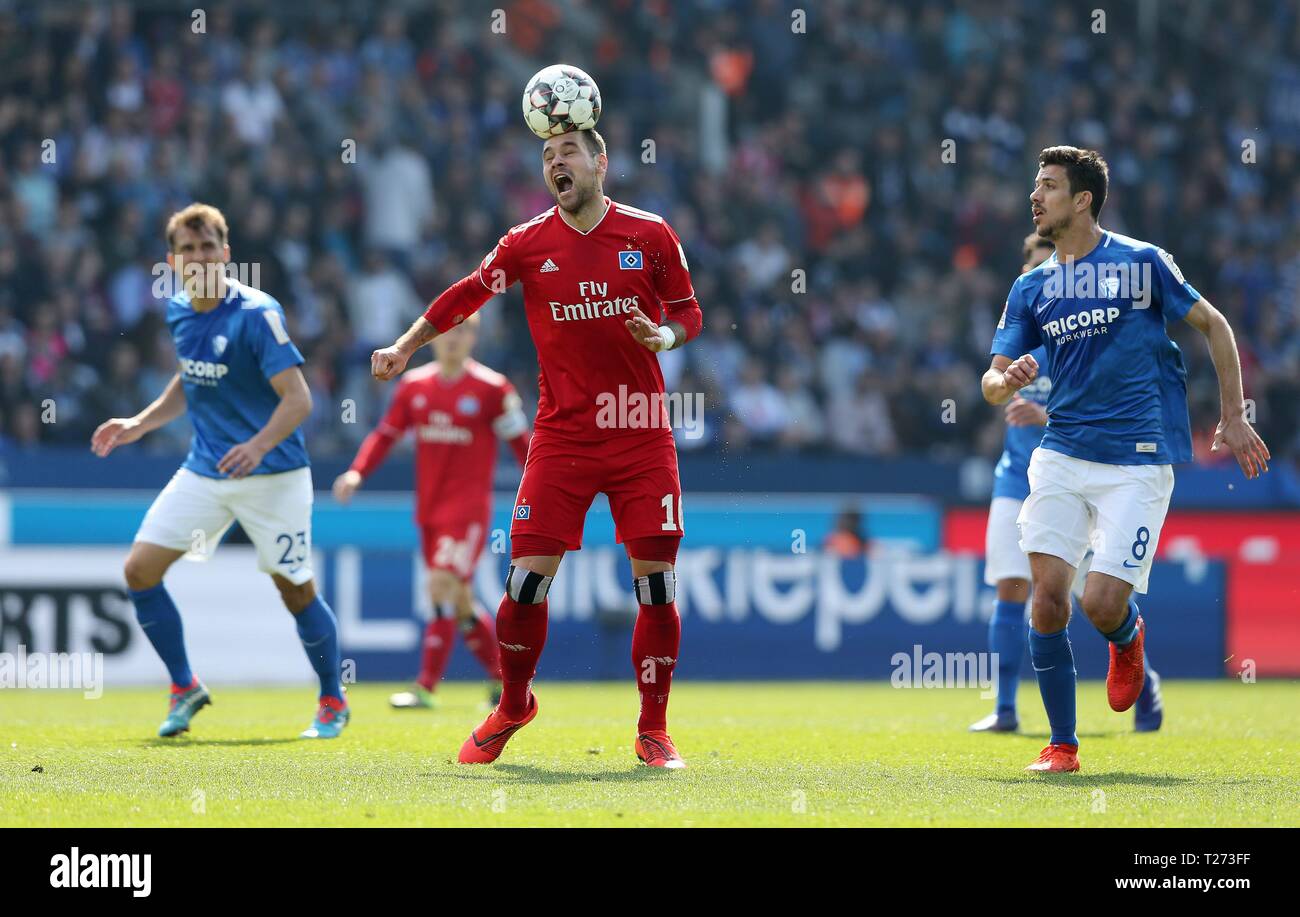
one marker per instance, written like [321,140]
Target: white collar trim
[609,205]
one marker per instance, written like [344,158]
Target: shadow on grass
[1044,736]
[1093,780]
[187,742]
[542,776]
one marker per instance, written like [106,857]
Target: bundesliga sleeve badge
[1168,259]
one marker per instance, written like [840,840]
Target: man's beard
[1055,230]
[583,196]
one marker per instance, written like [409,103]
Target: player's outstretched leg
[318,630]
[181,707]
[1149,711]
[656,640]
[521,634]
[1053,660]
[161,623]
[1007,640]
[479,631]
[1127,672]
[435,652]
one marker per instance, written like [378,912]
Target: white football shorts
[193,512]
[1003,558]
[1116,510]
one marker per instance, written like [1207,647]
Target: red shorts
[637,473]
[454,545]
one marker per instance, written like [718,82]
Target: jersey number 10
[667,503]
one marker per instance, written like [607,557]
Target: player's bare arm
[1233,429]
[122,430]
[389,362]
[1006,376]
[652,336]
[295,404]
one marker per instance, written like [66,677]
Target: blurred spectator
[252,104]
[381,302]
[399,195]
[860,421]
[805,426]
[760,404]
[850,276]
[846,539]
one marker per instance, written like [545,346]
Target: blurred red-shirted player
[458,408]
[593,270]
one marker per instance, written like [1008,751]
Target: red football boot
[655,749]
[1057,759]
[1127,671]
[486,743]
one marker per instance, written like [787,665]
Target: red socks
[655,641]
[521,634]
[481,638]
[439,638]
[439,635]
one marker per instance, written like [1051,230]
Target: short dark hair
[1034,241]
[1085,170]
[595,143]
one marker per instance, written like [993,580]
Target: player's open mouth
[1036,212]
[563,182]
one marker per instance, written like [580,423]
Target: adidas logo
[549,266]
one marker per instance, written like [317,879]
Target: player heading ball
[586,242]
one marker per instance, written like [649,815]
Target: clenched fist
[387,363]
[1020,373]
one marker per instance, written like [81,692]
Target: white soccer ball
[560,99]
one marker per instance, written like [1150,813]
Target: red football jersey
[457,423]
[579,289]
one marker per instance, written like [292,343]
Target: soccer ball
[560,99]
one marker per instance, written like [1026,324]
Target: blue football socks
[1054,665]
[319,631]
[161,622]
[1007,639]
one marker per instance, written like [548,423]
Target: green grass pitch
[811,754]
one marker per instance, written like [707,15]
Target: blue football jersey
[1011,476]
[1119,387]
[227,357]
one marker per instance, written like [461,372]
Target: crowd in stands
[850,272]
